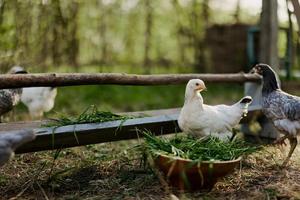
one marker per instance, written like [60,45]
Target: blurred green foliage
[44,33]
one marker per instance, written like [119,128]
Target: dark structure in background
[227,45]
[237,47]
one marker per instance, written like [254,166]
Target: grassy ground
[115,171]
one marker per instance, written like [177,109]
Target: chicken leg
[281,140]
[293,143]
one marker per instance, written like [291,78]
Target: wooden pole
[269,51]
[269,34]
[296,6]
[54,80]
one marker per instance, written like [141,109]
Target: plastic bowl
[189,175]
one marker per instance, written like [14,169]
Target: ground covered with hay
[116,171]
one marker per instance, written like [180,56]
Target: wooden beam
[83,134]
[66,136]
[63,79]
[12,126]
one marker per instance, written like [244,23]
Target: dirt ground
[115,171]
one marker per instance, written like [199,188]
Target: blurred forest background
[134,36]
[141,35]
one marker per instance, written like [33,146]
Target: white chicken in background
[201,120]
[39,100]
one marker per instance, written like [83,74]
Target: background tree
[148,34]
[73,40]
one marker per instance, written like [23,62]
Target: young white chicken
[39,100]
[201,120]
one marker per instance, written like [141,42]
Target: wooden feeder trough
[189,175]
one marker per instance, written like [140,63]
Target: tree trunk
[237,12]
[148,35]
[103,27]
[43,40]
[269,34]
[58,26]
[129,38]
[289,61]
[23,22]
[73,43]
[296,6]
[2,8]
[180,30]
[199,43]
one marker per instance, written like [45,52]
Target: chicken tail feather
[246,100]
[244,103]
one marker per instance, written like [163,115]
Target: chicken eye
[197,84]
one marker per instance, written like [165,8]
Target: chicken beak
[256,70]
[201,88]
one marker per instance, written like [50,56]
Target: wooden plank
[11,126]
[37,124]
[62,137]
[148,113]
[296,6]
[66,136]
[71,79]
[151,113]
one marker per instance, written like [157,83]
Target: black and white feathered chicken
[11,97]
[12,140]
[280,107]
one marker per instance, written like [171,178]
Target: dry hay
[108,171]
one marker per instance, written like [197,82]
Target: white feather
[39,100]
[288,126]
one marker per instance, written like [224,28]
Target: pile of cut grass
[90,115]
[205,149]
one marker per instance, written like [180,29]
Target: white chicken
[201,120]
[39,100]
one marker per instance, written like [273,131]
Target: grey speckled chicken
[280,107]
[12,140]
[10,97]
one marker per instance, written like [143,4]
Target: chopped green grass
[204,149]
[90,115]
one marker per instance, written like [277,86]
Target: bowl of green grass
[195,164]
